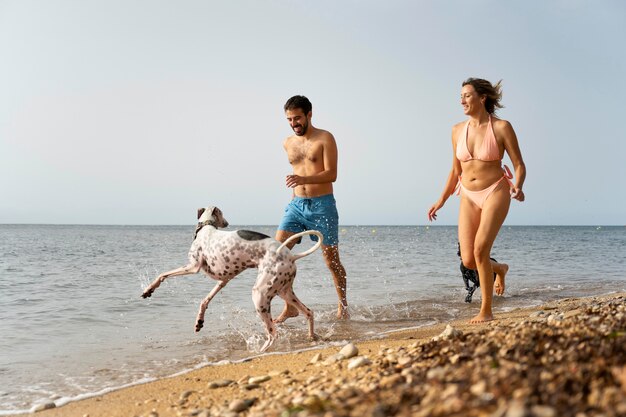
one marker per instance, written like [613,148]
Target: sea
[73,323]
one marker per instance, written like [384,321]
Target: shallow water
[72,322]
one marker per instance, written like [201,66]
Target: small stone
[334,359]
[312,379]
[479,388]
[573,313]
[44,406]
[220,383]
[543,411]
[449,333]
[259,379]
[250,387]
[436,373]
[349,351]
[241,405]
[391,358]
[404,360]
[185,395]
[316,358]
[297,401]
[516,409]
[313,403]
[358,362]
[278,373]
[391,381]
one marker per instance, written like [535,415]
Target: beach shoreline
[407,372]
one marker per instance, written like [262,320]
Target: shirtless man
[313,154]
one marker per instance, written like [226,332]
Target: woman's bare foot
[499,284]
[287,313]
[481,318]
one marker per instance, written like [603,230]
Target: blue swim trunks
[317,213]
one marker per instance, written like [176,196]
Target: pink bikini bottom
[479,197]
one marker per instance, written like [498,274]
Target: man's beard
[304,127]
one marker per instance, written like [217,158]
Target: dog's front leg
[185,270]
[205,304]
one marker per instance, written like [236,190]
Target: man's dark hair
[299,102]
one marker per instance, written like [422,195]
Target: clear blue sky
[138,112]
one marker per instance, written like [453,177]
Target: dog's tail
[309,251]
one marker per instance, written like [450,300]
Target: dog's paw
[199,325]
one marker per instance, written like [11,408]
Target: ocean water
[73,324]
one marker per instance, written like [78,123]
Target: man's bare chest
[304,153]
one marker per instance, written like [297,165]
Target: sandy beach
[565,358]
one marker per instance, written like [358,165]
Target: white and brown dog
[222,255]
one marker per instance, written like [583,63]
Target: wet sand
[566,358]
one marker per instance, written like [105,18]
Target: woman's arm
[451,182]
[511,146]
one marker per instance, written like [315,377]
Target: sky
[139,112]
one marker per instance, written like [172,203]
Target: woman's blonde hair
[485,88]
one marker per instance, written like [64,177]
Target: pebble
[573,313]
[42,407]
[349,351]
[220,383]
[448,333]
[185,395]
[278,373]
[391,381]
[543,411]
[241,405]
[358,362]
[334,359]
[404,360]
[313,403]
[259,379]
[316,358]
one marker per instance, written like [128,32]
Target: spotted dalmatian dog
[222,255]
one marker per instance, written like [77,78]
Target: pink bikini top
[488,150]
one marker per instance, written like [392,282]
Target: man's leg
[289,310]
[331,257]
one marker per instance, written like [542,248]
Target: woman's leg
[492,217]
[469,220]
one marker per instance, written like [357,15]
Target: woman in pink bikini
[485,185]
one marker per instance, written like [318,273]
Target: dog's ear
[200,211]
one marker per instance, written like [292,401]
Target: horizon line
[275,225]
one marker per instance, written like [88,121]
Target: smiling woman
[478,176]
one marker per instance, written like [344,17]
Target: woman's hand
[432,213]
[517,194]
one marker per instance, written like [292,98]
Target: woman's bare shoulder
[458,126]
[500,123]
